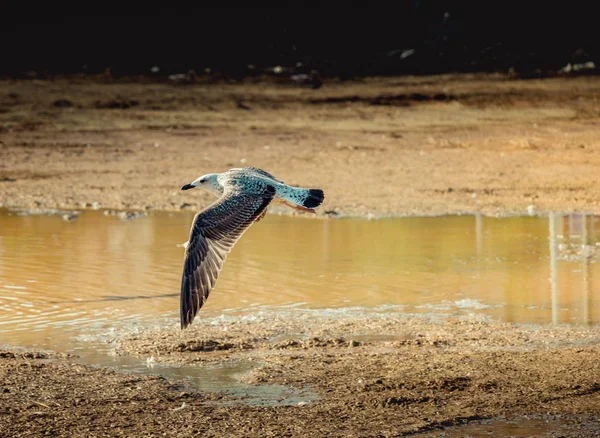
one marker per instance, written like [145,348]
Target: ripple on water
[102,267]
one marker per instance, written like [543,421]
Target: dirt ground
[392,146]
[378,375]
[378,147]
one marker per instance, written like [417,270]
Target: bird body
[244,194]
[252,180]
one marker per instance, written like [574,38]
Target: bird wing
[214,232]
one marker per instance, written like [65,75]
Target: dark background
[338,41]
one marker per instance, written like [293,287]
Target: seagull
[244,194]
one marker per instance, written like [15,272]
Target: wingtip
[185,318]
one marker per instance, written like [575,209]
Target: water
[221,378]
[58,276]
[62,278]
[531,426]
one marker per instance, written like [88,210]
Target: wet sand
[413,375]
[393,146]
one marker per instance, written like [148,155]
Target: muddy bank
[393,146]
[384,374]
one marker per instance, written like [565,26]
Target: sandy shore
[393,146]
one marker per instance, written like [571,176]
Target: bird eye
[203,180]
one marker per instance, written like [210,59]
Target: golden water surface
[58,277]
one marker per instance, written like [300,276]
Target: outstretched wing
[214,232]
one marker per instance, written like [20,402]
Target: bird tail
[302,199]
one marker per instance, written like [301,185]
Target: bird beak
[188,186]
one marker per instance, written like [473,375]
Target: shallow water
[223,378]
[517,427]
[58,276]
[61,278]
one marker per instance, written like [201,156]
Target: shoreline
[284,211]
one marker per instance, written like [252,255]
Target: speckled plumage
[245,194]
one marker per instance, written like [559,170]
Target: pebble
[70,217]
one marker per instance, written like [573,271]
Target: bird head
[208,182]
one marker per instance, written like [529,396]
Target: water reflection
[553,268]
[99,271]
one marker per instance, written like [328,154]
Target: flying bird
[244,194]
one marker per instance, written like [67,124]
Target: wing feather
[257,171]
[264,173]
[214,232]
